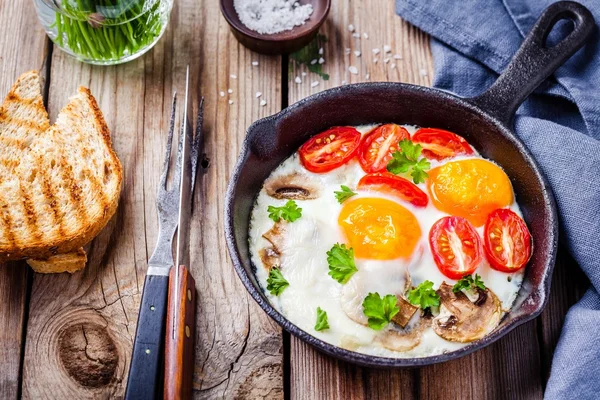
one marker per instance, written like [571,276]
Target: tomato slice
[395,185]
[439,144]
[378,145]
[330,149]
[507,241]
[456,247]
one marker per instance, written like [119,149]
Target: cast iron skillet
[485,121]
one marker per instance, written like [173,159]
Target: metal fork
[173,322]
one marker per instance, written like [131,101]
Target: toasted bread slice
[69,262]
[63,186]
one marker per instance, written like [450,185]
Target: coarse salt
[229,91]
[423,72]
[387,49]
[376,51]
[357,53]
[222,94]
[313,62]
[321,60]
[255,63]
[356,35]
[263,103]
[233,76]
[303,73]
[343,82]
[397,57]
[298,80]
[386,60]
[348,50]
[314,83]
[351,28]
[393,66]
[321,50]
[230,102]
[258,94]
[365,35]
[353,70]
[272,16]
[367,76]
[375,60]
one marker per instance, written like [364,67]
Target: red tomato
[378,145]
[507,241]
[394,185]
[439,144]
[330,149]
[456,247]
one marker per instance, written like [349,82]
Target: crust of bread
[68,262]
[64,198]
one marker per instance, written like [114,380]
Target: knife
[168,300]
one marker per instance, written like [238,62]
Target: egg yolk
[379,229]
[470,189]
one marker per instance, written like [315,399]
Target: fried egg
[389,238]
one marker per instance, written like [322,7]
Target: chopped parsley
[344,194]
[322,322]
[380,311]
[467,282]
[276,283]
[407,159]
[341,263]
[289,212]
[424,296]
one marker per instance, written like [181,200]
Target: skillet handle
[534,62]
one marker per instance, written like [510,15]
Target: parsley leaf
[407,158]
[322,322]
[341,263]
[290,212]
[276,283]
[467,282]
[424,296]
[380,311]
[344,194]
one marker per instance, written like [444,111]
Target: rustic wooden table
[70,336]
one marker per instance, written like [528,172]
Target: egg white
[304,262]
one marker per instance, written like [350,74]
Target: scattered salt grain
[343,82]
[353,70]
[233,76]
[229,91]
[222,94]
[376,51]
[313,62]
[230,102]
[348,50]
[397,57]
[387,49]
[356,35]
[375,60]
[386,60]
[365,35]
[321,60]
[357,53]
[351,28]
[314,83]
[298,80]
[258,94]
[367,76]
[393,66]
[423,72]
[255,63]
[303,73]
[321,50]
[263,103]
[272,16]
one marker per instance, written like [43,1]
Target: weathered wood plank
[314,375]
[81,326]
[22,48]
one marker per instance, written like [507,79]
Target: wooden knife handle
[179,348]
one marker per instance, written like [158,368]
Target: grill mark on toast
[97,188]
[22,123]
[48,192]
[30,210]
[73,189]
[7,224]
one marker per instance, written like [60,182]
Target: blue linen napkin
[473,41]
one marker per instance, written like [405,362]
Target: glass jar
[104,32]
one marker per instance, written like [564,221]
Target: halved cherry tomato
[439,144]
[507,241]
[394,185]
[378,145]
[456,247]
[330,149]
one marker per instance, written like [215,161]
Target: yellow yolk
[379,229]
[470,189]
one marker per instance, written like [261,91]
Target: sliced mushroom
[407,310]
[396,338]
[292,187]
[461,320]
[275,235]
[270,258]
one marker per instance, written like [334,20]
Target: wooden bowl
[282,42]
